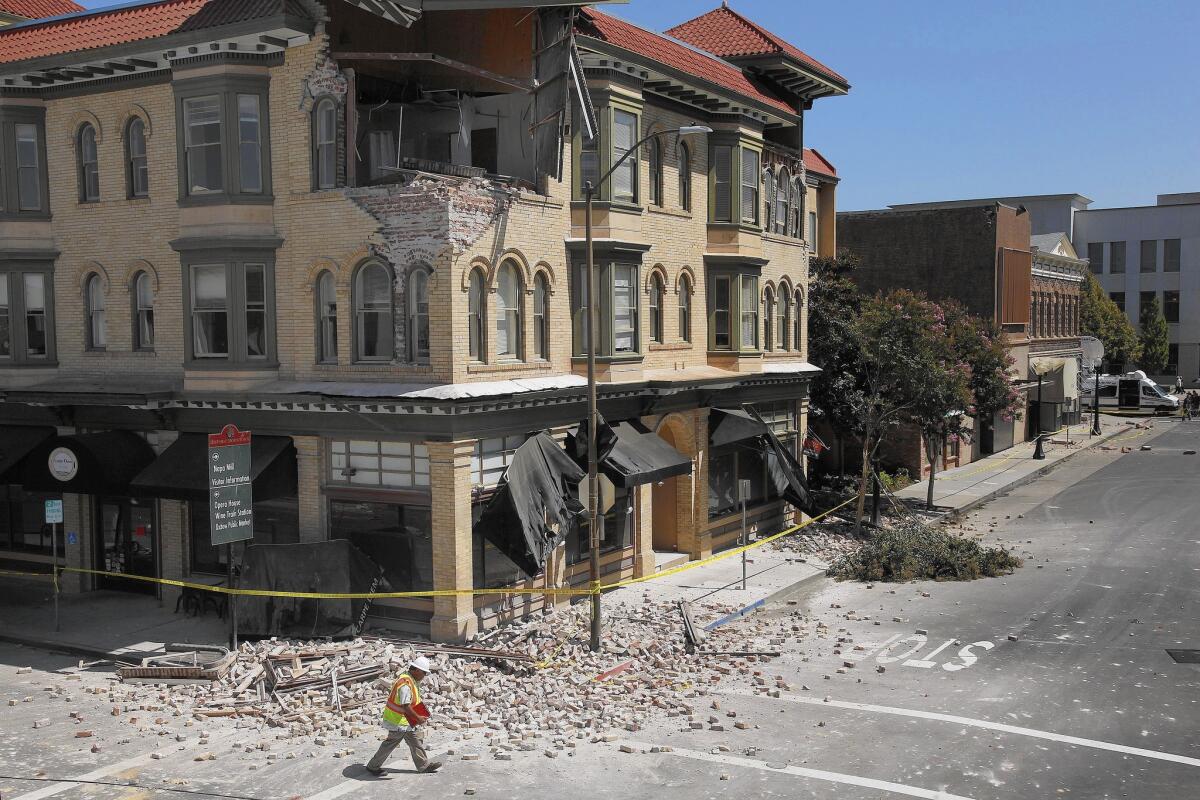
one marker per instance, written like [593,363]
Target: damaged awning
[17,441]
[729,425]
[181,472]
[745,428]
[535,504]
[630,455]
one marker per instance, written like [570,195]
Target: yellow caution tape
[596,588]
[26,574]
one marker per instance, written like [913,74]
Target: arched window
[89,170]
[97,330]
[143,312]
[798,321]
[657,296]
[785,315]
[783,213]
[541,316]
[375,338]
[137,171]
[799,194]
[768,319]
[325,143]
[326,319]
[418,315]
[685,177]
[508,311]
[656,172]
[475,315]
[769,192]
[685,308]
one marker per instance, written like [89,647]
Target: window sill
[782,238]
[35,363]
[667,346]
[225,199]
[223,364]
[746,227]
[479,368]
[138,199]
[624,358]
[669,212]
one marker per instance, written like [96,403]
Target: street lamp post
[1038,452]
[589,194]
[1096,402]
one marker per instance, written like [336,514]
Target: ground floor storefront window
[23,526]
[275,522]
[617,533]
[399,538]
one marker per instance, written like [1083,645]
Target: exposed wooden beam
[450,63]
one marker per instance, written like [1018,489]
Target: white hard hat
[421,663]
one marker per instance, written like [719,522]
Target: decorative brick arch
[129,112]
[319,265]
[87,270]
[78,119]
[136,268]
[543,268]
[661,271]
[691,277]
[786,284]
[682,430]
[522,263]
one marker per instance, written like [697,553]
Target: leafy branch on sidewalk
[912,550]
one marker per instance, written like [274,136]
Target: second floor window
[685,308]
[374,335]
[418,315]
[210,312]
[26,329]
[657,292]
[89,169]
[541,316]
[326,319]
[749,312]
[617,310]
[733,312]
[508,312]
[97,328]
[475,315]
[625,309]
[231,311]
[768,320]
[785,317]
[143,312]
[325,143]
[137,170]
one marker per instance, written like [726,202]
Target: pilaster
[454,616]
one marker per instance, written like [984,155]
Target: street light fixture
[589,193]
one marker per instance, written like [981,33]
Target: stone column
[171,522]
[450,486]
[77,520]
[309,467]
[643,533]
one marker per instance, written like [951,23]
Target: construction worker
[403,716]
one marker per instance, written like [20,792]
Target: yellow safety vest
[392,711]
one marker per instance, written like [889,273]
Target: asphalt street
[1051,682]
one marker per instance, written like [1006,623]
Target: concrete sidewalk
[966,487]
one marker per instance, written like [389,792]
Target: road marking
[995,726]
[805,772]
[337,790]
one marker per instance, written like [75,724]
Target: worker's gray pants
[413,737]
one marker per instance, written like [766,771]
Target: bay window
[749,179]
[617,309]
[224,139]
[230,301]
[26,315]
[24,188]
[734,176]
[733,300]
[625,309]
[749,312]
[30,176]
[625,135]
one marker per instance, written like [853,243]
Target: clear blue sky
[959,98]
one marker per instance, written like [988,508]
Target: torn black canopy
[629,454]
[535,504]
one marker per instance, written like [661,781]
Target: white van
[1131,391]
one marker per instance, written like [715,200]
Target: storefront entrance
[126,539]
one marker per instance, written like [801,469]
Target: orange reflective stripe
[393,712]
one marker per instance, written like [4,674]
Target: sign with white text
[230,495]
[54,511]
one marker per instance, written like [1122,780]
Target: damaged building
[356,229]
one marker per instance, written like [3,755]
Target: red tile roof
[122,25]
[37,9]
[727,33]
[667,52]
[815,162]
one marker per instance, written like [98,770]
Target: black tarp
[181,472]
[786,474]
[629,454]
[552,67]
[729,425]
[17,441]
[535,504]
[335,566]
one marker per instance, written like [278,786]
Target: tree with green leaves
[1099,316]
[1154,339]
[896,355]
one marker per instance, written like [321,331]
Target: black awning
[181,472]
[87,463]
[785,473]
[535,504]
[16,442]
[729,425]
[629,454]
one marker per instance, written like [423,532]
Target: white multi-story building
[1142,252]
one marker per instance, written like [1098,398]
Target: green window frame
[733,312]
[734,183]
[618,327]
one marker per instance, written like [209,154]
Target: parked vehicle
[1130,392]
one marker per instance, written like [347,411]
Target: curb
[1027,479]
[792,588]
[63,647]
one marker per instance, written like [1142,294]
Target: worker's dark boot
[432,766]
